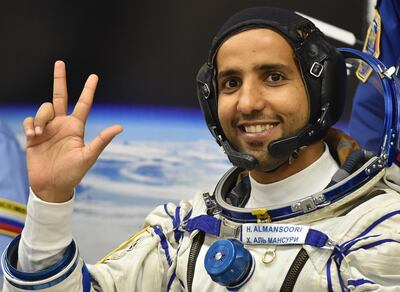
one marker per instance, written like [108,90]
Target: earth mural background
[163,155]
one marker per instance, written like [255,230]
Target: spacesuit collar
[340,146]
[325,204]
[309,180]
[233,190]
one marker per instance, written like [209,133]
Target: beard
[266,162]
[259,150]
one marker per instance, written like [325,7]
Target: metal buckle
[205,90]
[211,205]
[330,244]
[228,229]
[308,204]
[316,69]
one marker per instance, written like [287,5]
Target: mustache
[256,116]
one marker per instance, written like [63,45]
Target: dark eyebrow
[227,72]
[272,67]
[261,67]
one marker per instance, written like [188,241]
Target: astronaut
[303,208]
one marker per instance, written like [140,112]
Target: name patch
[275,234]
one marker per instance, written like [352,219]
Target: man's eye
[231,83]
[274,77]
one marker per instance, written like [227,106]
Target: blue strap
[340,278]
[171,280]
[372,244]
[316,238]
[212,225]
[182,285]
[166,211]
[344,249]
[358,282]
[85,279]
[205,223]
[176,222]
[377,222]
[164,243]
[347,245]
[328,275]
[339,256]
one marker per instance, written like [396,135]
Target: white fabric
[310,180]
[46,234]
[141,263]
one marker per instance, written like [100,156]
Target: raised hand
[57,156]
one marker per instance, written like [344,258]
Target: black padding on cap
[281,20]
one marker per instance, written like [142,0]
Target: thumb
[93,150]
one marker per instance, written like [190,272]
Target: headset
[321,66]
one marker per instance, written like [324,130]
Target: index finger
[60,92]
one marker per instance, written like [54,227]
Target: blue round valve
[228,263]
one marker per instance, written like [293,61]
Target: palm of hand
[52,155]
[57,156]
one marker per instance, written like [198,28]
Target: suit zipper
[294,271]
[198,241]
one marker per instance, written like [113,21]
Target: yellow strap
[123,245]
[12,207]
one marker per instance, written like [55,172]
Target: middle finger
[60,92]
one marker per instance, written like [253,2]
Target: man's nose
[251,98]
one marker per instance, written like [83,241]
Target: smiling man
[303,209]
[262,98]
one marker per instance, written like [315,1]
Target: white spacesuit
[333,226]
[367,239]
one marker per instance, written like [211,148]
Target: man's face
[261,95]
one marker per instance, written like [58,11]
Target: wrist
[54,196]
